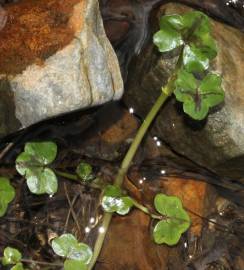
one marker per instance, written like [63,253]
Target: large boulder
[216,143]
[54,58]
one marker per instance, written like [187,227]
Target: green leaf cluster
[78,255]
[84,171]
[192,32]
[114,200]
[175,220]
[7,194]
[191,29]
[32,163]
[12,256]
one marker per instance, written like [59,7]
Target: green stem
[166,92]
[74,177]
[67,175]
[29,261]
[146,211]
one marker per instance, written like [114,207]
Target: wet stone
[54,58]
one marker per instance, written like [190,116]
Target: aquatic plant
[198,90]
[192,84]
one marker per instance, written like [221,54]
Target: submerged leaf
[176,221]
[11,256]
[114,201]
[7,194]
[32,164]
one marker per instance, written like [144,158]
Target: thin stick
[72,209]
[5,150]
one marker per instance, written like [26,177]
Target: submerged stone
[217,142]
[54,58]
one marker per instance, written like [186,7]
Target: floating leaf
[18,266]
[167,39]
[84,171]
[74,265]
[7,194]
[194,59]
[11,256]
[67,246]
[42,180]
[114,201]
[32,164]
[44,152]
[198,99]
[176,221]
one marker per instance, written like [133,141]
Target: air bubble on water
[92,220]
[101,230]
[87,229]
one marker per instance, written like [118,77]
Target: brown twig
[72,209]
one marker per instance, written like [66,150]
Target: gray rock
[216,143]
[82,74]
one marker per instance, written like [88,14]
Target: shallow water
[216,238]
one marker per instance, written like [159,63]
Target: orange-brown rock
[34,31]
[54,58]
[194,197]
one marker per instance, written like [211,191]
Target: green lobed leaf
[114,201]
[201,34]
[176,220]
[198,99]
[194,59]
[167,39]
[84,171]
[74,265]
[32,164]
[11,256]
[41,181]
[185,86]
[18,266]
[7,194]
[191,18]
[211,90]
[44,152]
[67,246]
[63,244]
[208,45]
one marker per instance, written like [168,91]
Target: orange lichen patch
[34,31]
[193,196]
[121,130]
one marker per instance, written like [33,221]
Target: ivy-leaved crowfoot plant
[198,89]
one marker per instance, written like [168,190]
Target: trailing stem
[166,92]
